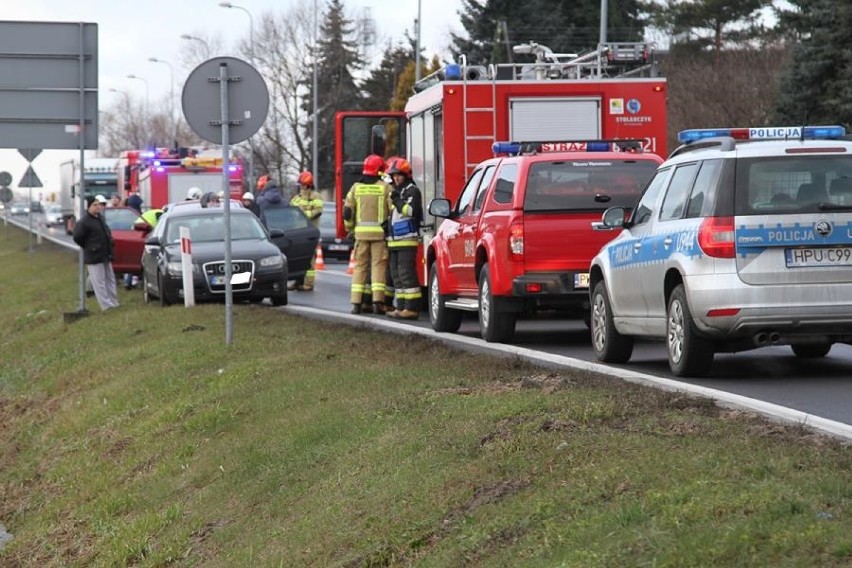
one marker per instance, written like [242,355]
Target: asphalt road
[819,389]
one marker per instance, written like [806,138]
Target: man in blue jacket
[92,234]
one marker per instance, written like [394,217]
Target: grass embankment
[137,438]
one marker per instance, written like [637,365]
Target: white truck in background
[100,176]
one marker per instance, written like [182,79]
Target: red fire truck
[458,113]
[163,175]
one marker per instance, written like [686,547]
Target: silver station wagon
[742,239]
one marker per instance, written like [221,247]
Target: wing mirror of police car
[439,207]
[612,218]
[152,241]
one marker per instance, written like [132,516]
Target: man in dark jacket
[92,234]
[270,195]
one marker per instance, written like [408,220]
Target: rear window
[591,185]
[120,219]
[793,184]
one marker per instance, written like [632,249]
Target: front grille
[214,275]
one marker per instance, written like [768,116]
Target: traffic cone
[320,261]
[351,268]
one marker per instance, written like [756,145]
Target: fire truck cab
[458,113]
[164,175]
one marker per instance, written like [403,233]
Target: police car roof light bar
[516,148]
[827,132]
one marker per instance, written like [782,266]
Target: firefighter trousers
[403,270]
[310,274]
[372,256]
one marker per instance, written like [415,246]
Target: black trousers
[403,268]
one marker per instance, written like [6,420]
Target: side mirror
[152,241]
[276,233]
[612,218]
[439,207]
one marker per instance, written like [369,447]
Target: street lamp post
[147,93]
[251,57]
[171,94]
[201,41]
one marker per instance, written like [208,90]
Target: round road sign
[5,179]
[248,100]
[5,194]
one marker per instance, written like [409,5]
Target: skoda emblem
[634,106]
[822,228]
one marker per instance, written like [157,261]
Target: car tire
[494,326]
[146,295]
[690,355]
[609,345]
[161,288]
[280,299]
[811,350]
[442,318]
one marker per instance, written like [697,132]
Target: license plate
[338,247]
[581,280]
[816,257]
[217,280]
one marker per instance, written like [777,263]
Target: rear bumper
[552,290]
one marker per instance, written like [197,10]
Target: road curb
[721,398]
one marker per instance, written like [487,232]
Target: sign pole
[229,289]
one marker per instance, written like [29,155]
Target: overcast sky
[131,32]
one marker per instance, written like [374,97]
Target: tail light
[716,237]
[516,239]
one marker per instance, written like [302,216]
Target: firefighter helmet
[400,166]
[193,193]
[262,181]
[306,178]
[372,165]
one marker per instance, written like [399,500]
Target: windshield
[120,219]
[211,228]
[586,184]
[285,218]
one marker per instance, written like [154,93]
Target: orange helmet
[262,181]
[372,164]
[400,166]
[389,162]
[306,178]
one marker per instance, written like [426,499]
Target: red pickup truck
[519,239]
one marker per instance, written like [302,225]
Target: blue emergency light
[516,148]
[764,133]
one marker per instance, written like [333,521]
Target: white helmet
[248,195]
[193,193]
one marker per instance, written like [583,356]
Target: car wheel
[494,326]
[609,345]
[161,288]
[811,350]
[690,355]
[441,317]
[146,295]
[280,299]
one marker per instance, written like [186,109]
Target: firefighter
[193,194]
[406,209]
[365,216]
[310,202]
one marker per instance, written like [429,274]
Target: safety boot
[366,309]
[356,309]
[379,308]
[407,314]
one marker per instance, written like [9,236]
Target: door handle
[667,242]
[637,245]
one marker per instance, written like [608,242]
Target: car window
[645,207]
[505,188]
[674,203]
[591,185]
[792,184]
[707,178]
[468,193]
[288,218]
[120,219]
[483,187]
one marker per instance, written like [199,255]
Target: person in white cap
[193,193]
[92,234]
[250,204]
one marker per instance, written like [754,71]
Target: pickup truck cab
[520,239]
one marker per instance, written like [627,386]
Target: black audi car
[259,268]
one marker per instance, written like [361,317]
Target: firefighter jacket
[310,202]
[365,211]
[406,209]
[150,217]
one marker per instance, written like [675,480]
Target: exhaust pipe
[774,337]
[761,338]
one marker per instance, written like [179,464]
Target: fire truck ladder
[472,74]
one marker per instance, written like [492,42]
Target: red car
[129,243]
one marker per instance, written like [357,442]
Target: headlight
[276,261]
[176,268]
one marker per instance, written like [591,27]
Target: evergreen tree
[817,86]
[338,61]
[702,25]
[565,26]
[380,86]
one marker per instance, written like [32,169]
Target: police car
[742,239]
